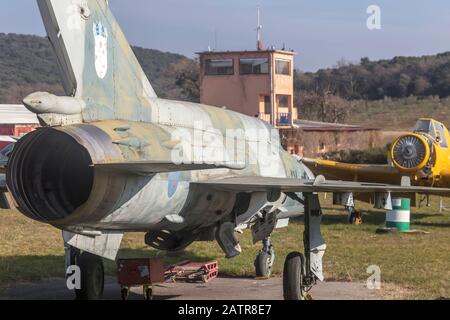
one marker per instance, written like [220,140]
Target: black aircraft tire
[293,277]
[125,293]
[262,265]
[148,294]
[92,277]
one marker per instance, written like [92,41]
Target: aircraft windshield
[434,129]
[425,126]
[441,133]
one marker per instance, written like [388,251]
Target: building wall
[16,130]
[7,129]
[318,143]
[284,85]
[237,92]
[245,93]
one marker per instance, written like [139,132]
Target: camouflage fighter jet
[113,158]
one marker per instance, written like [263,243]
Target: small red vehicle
[140,272]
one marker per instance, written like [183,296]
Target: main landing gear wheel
[293,275]
[92,277]
[301,272]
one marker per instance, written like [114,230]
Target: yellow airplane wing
[354,172]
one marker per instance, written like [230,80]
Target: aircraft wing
[153,167]
[289,185]
[354,172]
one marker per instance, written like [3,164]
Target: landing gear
[301,272]
[293,275]
[92,277]
[92,273]
[354,216]
[265,260]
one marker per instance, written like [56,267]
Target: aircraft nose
[411,152]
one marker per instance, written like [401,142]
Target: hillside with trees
[399,77]
[27,64]
[407,87]
[387,93]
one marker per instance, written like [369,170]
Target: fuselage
[111,114]
[163,130]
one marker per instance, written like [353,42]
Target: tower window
[283,101]
[283,67]
[267,105]
[224,67]
[254,66]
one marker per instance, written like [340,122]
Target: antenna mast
[259,44]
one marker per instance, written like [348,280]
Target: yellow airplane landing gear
[355,217]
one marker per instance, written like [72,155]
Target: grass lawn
[413,266]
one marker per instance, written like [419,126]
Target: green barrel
[400,216]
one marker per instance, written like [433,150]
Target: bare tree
[324,106]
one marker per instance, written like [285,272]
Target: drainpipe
[293,125]
[272,89]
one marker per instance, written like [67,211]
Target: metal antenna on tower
[215,39]
[259,44]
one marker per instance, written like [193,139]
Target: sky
[322,32]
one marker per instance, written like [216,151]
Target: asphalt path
[219,289]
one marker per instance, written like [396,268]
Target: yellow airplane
[423,156]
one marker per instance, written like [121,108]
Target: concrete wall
[284,85]
[237,92]
[245,93]
[16,130]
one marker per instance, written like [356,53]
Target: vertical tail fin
[96,61]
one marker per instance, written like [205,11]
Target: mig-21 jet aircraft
[113,158]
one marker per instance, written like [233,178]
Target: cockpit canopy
[434,129]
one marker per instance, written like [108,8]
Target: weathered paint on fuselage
[146,201]
[100,69]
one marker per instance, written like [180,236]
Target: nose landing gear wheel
[293,275]
[92,277]
[265,260]
[263,265]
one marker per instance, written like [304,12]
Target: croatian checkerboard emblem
[101,49]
